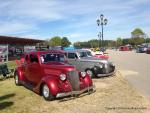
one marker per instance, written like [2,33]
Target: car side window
[33,58]
[72,56]
[27,59]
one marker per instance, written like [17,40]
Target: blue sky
[43,19]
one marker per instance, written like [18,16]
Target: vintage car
[124,48]
[97,54]
[101,56]
[84,61]
[47,73]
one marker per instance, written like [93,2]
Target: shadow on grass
[6,96]
[2,78]
[4,105]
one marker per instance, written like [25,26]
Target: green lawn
[111,92]
[11,64]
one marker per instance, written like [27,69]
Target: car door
[33,69]
[27,66]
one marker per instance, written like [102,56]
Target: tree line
[57,41]
[137,37]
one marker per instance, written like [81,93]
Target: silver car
[84,61]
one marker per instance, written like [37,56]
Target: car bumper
[88,89]
[107,74]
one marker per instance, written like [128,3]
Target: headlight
[62,77]
[101,66]
[83,74]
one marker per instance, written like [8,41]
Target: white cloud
[15,27]
[79,36]
[26,16]
[41,10]
[32,36]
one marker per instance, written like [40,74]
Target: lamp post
[99,38]
[101,22]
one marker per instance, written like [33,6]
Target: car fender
[88,80]
[20,73]
[53,84]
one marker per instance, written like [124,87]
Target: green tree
[93,43]
[126,41]
[119,41]
[137,33]
[55,41]
[147,40]
[77,44]
[65,42]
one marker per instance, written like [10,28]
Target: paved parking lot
[135,67]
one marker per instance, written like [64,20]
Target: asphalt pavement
[135,67]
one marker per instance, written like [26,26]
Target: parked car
[148,50]
[101,56]
[124,48]
[84,61]
[97,54]
[141,48]
[47,73]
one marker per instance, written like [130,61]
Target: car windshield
[52,57]
[89,53]
[83,54]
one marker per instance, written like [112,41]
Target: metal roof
[18,40]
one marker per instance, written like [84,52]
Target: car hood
[93,59]
[57,67]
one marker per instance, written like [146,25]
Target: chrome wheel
[17,80]
[45,91]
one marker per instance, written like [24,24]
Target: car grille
[109,68]
[73,77]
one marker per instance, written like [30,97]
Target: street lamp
[102,22]
[99,38]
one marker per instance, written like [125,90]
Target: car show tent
[11,47]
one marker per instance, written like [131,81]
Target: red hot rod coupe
[47,73]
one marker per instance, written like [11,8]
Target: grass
[11,67]
[113,95]
[11,64]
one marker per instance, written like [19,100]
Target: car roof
[47,51]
